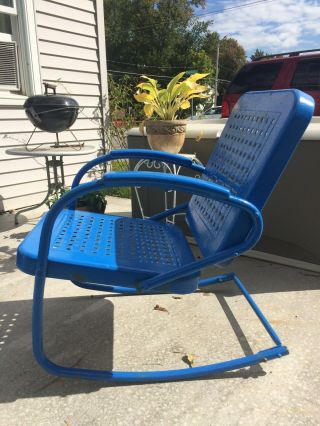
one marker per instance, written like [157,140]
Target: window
[255,77]
[9,74]
[19,64]
[307,75]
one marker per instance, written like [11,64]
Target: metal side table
[54,160]
[165,168]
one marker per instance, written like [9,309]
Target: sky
[273,26]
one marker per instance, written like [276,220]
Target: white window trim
[29,54]
[8,9]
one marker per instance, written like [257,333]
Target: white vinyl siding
[71,54]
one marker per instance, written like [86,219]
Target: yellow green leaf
[152,81]
[197,76]
[166,102]
[185,105]
[174,81]
[148,87]
[143,97]
[148,110]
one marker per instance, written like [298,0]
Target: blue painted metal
[181,208]
[252,152]
[141,376]
[107,288]
[117,154]
[136,153]
[101,252]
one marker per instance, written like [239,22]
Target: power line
[240,6]
[167,67]
[146,66]
[135,73]
[149,75]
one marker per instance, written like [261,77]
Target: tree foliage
[231,57]
[258,53]
[155,37]
[164,37]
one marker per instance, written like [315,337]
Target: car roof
[303,54]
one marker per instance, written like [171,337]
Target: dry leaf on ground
[188,359]
[160,308]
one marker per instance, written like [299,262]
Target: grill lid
[51,113]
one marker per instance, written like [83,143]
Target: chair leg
[107,288]
[149,376]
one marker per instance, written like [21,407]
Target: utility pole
[217,74]
[217,70]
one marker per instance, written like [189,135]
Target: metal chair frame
[207,189]
[191,185]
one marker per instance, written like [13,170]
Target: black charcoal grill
[50,112]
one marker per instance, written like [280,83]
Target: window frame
[25,34]
[9,10]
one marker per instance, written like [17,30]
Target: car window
[307,75]
[255,77]
[213,111]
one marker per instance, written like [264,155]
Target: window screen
[9,77]
[307,75]
[5,24]
[7,3]
[255,77]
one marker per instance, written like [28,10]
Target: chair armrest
[165,181]
[147,154]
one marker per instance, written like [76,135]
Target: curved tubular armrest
[112,179]
[162,180]
[147,154]
[222,256]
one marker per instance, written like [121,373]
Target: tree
[154,37]
[231,57]
[163,38]
[258,54]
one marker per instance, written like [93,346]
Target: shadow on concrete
[7,222]
[8,252]
[261,276]
[254,370]
[7,259]
[78,333]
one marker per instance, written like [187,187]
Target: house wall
[72,55]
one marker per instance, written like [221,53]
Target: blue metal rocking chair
[136,256]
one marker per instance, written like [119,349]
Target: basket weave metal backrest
[253,150]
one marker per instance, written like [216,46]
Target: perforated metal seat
[143,256]
[97,248]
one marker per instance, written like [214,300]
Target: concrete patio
[86,328]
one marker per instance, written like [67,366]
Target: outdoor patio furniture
[136,256]
[54,162]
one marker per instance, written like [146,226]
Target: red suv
[299,70]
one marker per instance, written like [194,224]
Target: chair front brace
[191,185]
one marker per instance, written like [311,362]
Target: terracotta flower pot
[166,135]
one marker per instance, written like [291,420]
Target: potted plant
[166,132]
[94,202]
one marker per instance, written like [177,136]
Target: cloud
[273,26]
